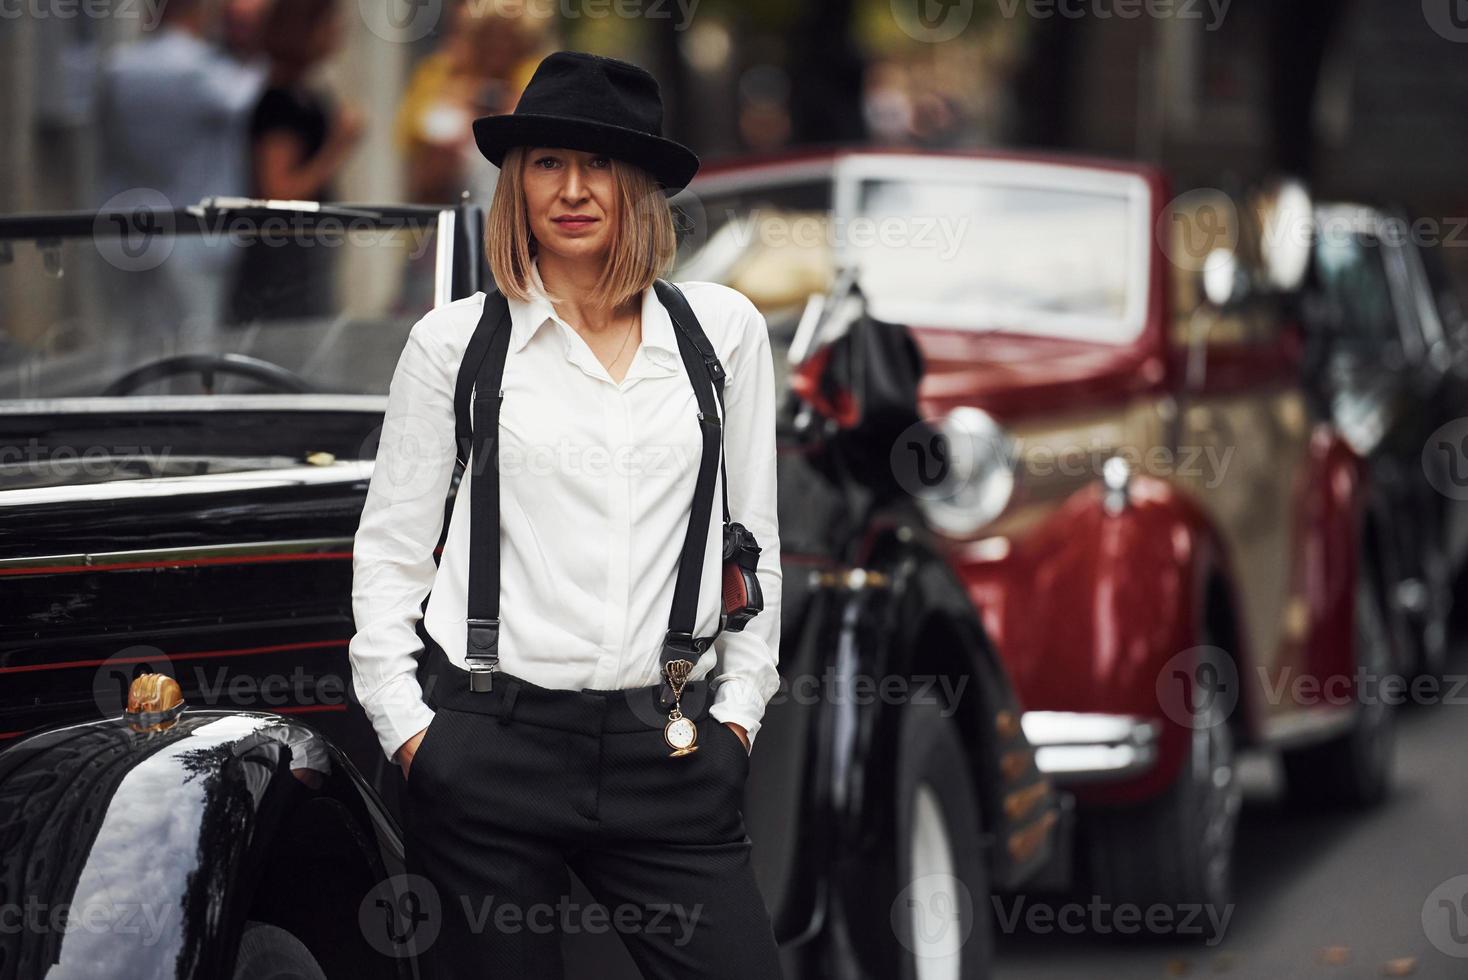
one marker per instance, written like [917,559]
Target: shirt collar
[528,316]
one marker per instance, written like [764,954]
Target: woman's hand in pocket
[739,730]
[406,750]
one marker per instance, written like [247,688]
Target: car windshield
[770,241]
[146,304]
[1356,286]
[992,253]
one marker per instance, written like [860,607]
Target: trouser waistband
[446,685]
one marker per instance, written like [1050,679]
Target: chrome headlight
[979,477]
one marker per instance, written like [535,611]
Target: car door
[1242,449]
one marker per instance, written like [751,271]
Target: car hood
[1010,375]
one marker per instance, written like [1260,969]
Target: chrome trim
[182,403]
[1087,747]
[443,261]
[346,471]
[1116,476]
[101,559]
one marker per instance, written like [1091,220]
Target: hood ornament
[154,702]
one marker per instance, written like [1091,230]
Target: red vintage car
[1160,538]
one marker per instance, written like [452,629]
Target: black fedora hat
[590,102]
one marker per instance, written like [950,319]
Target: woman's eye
[603,161]
[545,160]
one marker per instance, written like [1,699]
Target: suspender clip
[482,654]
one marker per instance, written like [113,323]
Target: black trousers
[510,788]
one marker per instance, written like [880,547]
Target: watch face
[680,733]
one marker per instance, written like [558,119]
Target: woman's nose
[574,187]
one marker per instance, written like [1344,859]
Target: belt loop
[507,704]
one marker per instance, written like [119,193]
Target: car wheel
[1354,769]
[268,952]
[942,916]
[1177,850]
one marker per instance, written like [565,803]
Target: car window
[328,306]
[771,242]
[1355,288]
[991,254]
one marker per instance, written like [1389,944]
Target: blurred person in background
[242,31]
[300,139]
[886,104]
[480,69]
[173,110]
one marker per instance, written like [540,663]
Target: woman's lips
[575,224]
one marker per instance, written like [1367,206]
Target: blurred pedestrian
[242,31]
[173,110]
[480,69]
[172,115]
[300,141]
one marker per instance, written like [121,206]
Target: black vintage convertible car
[182,480]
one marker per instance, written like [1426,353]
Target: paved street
[1337,897]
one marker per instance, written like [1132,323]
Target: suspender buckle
[482,653]
[683,645]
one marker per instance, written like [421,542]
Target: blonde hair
[644,242]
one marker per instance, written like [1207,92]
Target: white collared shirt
[596,488]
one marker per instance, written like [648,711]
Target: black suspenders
[481,374]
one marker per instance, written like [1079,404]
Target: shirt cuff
[398,712]
[739,701]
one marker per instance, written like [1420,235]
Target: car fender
[899,625]
[146,850]
[1092,608]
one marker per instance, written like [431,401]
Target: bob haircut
[644,242]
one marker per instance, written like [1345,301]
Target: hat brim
[671,163]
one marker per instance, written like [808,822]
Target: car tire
[1176,850]
[268,952]
[940,859]
[1354,769]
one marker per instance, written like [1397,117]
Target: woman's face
[569,196]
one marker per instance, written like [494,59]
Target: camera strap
[478,395]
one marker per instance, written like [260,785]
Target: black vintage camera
[743,599]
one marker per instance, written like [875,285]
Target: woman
[563,762]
